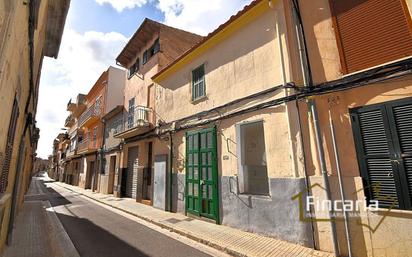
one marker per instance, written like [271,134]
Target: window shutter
[402,130]
[371,32]
[374,156]
[9,148]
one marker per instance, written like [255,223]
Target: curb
[170,228]
[62,242]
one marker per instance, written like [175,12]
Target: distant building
[151,48]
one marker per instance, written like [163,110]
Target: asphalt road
[99,232]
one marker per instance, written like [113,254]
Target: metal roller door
[132,169]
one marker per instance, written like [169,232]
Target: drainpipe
[296,107]
[102,151]
[307,80]
[342,191]
[170,182]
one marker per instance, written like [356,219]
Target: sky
[95,33]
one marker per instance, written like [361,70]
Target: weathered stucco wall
[237,67]
[115,88]
[392,238]
[14,84]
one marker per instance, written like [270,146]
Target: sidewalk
[38,232]
[230,240]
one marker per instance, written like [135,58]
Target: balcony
[69,121]
[87,146]
[91,115]
[139,121]
[71,153]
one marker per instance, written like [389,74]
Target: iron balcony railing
[91,112]
[86,144]
[69,121]
[141,117]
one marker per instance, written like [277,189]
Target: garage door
[132,167]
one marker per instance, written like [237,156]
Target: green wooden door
[201,174]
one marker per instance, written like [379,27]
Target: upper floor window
[130,116]
[145,57]
[97,105]
[134,68]
[198,83]
[370,33]
[155,48]
[94,133]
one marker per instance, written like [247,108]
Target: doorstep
[230,240]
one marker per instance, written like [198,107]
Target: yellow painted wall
[236,67]
[14,82]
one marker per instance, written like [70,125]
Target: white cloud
[120,5]
[82,58]
[199,16]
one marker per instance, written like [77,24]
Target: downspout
[342,190]
[170,182]
[294,161]
[102,151]
[308,83]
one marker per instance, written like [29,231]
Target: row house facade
[74,164]
[29,31]
[86,156]
[151,48]
[287,99]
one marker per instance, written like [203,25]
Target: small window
[198,83]
[145,57]
[130,115]
[97,106]
[134,68]
[156,47]
[253,175]
[94,133]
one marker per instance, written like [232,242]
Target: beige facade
[238,66]
[28,32]
[392,237]
[151,48]
[214,129]
[241,74]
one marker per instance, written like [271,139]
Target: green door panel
[202,197]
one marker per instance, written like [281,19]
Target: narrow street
[98,231]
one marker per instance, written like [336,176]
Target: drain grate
[173,220]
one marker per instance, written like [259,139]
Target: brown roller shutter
[371,32]
[9,148]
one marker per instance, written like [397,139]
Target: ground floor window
[383,140]
[253,175]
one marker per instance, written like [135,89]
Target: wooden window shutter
[9,148]
[371,32]
[374,154]
[383,139]
[401,119]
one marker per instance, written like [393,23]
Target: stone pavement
[37,230]
[230,240]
